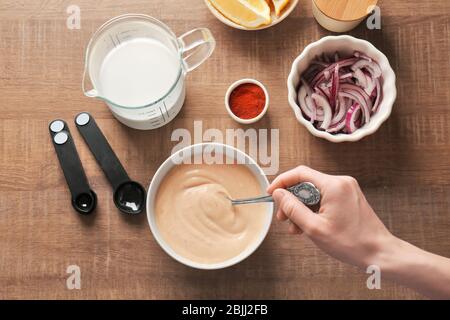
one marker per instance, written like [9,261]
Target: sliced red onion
[337,127]
[352,115]
[324,92]
[317,113]
[307,105]
[354,89]
[343,63]
[323,103]
[338,121]
[363,105]
[303,106]
[361,78]
[358,122]
[342,110]
[347,80]
[334,87]
[370,66]
[311,108]
[340,96]
[307,87]
[378,96]
[346,75]
[361,96]
[362,56]
[371,84]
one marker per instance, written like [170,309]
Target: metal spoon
[306,192]
[129,196]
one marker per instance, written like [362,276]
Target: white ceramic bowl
[275,20]
[172,161]
[227,101]
[345,45]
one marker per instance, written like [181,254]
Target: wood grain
[404,168]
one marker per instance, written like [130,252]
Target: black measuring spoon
[129,196]
[84,200]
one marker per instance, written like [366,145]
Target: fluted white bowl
[345,45]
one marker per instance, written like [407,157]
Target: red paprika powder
[247,101]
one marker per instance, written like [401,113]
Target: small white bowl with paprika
[247,101]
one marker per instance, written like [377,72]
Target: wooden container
[341,15]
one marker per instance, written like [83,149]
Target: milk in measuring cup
[137,65]
[137,72]
[140,72]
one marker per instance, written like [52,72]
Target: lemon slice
[248,13]
[279,5]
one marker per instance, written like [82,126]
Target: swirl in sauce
[195,217]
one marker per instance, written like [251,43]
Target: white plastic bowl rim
[169,164]
[344,44]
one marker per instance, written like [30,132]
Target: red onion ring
[352,115]
[322,102]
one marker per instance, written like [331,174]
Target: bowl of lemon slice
[251,14]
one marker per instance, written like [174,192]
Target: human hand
[346,227]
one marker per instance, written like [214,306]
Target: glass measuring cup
[184,54]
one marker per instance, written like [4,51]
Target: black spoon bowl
[129,196]
[85,203]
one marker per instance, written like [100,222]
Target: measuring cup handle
[196,45]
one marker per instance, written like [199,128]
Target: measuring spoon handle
[101,150]
[83,198]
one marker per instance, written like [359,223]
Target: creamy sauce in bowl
[195,217]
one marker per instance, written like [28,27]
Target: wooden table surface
[404,168]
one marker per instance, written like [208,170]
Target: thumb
[295,210]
